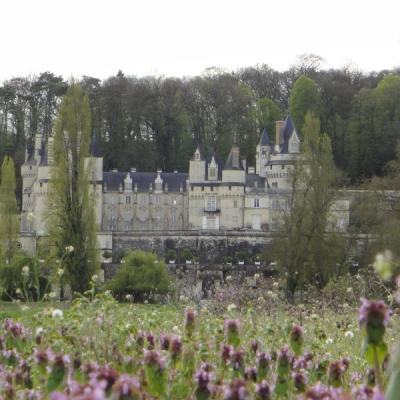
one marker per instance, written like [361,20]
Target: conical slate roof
[264,140]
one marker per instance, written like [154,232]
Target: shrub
[242,255]
[107,254]
[141,275]
[187,255]
[171,255]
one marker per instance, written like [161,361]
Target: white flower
[260,299]
[329,340]
[39,331]
[175,329]
[128,297]
[60,272]
[25,271]
[349,334]
[232,307]
[24,308]
[57,313]
[183,299]
[69,249]
[275,284]
[256,276]
[18,291]
[349,290]
[52,295]
[229,278]
[107,292]
[95,278]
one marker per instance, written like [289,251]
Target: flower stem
[377,368]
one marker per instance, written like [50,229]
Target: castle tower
[197,167]
[263,151]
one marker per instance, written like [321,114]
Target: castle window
[191,188]
[212,188]
[263,154]
[211,203]
[202,188]
[235,204]
[283,166]
[128,199]
[270,167]
[213,172]
[274,184]
[230,187]
[256,203]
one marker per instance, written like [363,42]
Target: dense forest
[156,122]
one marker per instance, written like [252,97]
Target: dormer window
[212,172]
[263,154]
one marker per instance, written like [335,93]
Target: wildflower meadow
[97,348]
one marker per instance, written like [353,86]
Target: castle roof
[233,160]
[143,180]
[94,147]
[264,139]
[286,133]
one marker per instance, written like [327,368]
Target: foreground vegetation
[96,348]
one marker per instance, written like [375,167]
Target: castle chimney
[278,129]
[50,150]
[235,156]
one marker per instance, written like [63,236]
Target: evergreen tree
[304,98]
[8,209]
[71,204]
[308,251]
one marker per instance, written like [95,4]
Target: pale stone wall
[130,211]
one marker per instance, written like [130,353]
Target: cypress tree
[72,224]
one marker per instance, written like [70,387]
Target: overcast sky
[183,37]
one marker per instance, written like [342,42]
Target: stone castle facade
[214,197]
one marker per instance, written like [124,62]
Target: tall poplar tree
[71,206]
[308,251]
[8,209]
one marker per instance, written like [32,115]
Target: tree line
[165,118]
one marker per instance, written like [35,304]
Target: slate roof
[112,180]
[286,133]
[94,147]
[231,163]
[264,139]
[252,178]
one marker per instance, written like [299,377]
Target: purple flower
[150,341]
[373,319]
[232,331]
[237,360]
[300,381]
[176,346]
[190,319]
[204,386]
[165,342]
[250,374]
[263,391]
[153,359]
[254,346]
[284,361]
[236,390]
[126,387]
[335,373]
[226,351]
